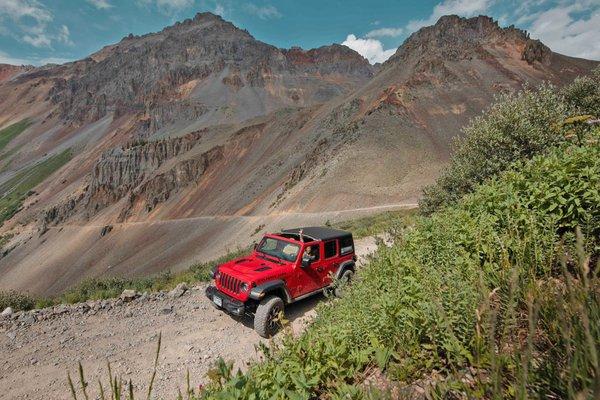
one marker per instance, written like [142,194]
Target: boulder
[8,311]
[27,319]
[128,295]
[179,290]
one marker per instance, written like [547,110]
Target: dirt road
[35,356]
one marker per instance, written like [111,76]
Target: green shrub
[474,285]
[583,95]
[17,301]
[377,223]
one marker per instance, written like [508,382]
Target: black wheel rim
[273,321]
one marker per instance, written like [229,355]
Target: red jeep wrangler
[283,268]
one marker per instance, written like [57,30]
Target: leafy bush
[477,285]
[15,300]
[583,95]
[377,223]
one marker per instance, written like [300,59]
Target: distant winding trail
[383,207]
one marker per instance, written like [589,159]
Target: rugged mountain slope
[397,130]
[204,70]
[202,121]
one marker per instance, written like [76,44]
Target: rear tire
[343,282]
[266,318]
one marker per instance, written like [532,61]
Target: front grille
[230,283]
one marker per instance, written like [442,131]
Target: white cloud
[264,12]
[167,6]
[370,49]
[175,4]
[463,8]
[64,36]
[384,32]
[563,33]
[100,4]
[31,21]
[7,59]
[219,10]
[40,40]
[19,9]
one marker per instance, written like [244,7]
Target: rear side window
[346,245]
[330,249]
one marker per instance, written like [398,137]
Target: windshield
[279,248]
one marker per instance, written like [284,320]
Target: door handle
[319,269]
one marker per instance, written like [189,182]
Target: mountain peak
[453,37]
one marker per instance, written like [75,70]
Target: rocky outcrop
[8,71]
[159,188]
[121,169]
[536,51]
[326,60]
[455,38]
[129,171]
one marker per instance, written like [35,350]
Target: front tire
[267,316]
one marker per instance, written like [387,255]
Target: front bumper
[231,305]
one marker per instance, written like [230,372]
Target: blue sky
[41,31]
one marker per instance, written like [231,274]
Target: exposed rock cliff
[129,171]
[158,188]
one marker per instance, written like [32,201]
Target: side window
[330,249]
[311,253]
[346,245]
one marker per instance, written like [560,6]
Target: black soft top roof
[318,232]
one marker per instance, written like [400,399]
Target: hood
[251,268]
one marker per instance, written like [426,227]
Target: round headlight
[217,274]
[244,287]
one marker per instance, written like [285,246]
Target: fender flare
[278,285]
[351,265]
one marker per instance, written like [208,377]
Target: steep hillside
[186,140]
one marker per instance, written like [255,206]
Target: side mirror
[306,262]
[254,245]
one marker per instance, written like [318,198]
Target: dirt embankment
[37,351]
